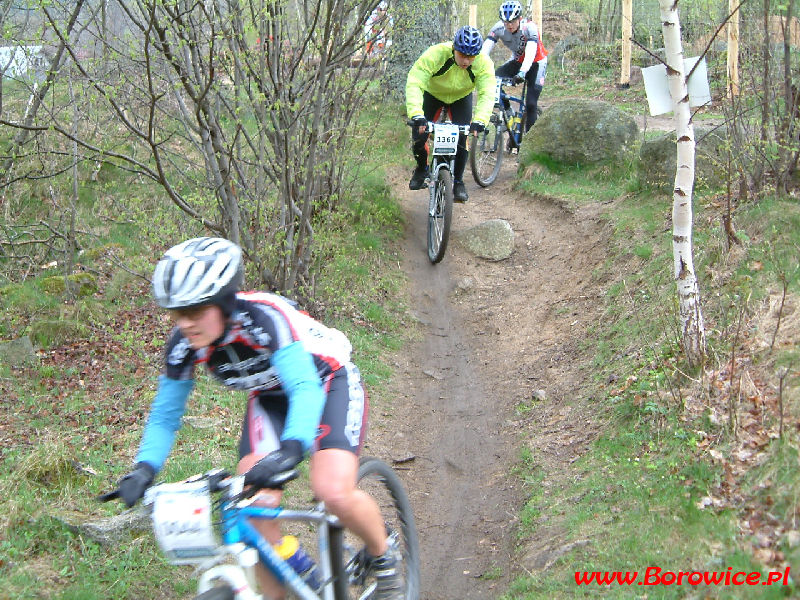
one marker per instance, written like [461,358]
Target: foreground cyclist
[443,77]
[529,57]
[299,380]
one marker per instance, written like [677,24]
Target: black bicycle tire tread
[371,465]
[217,593]
[443,178]
[473,157]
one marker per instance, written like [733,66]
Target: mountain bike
[188,525]
[445,136]
[502,134]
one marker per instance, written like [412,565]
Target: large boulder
[658,158]
[492,239]
[579,131]
[18,352]
[48,333]
[84,284]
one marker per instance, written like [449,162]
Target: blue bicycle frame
[237,528]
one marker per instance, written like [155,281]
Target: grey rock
[18,353]
[492,240]
[577,131]
[111,530]
[658,157]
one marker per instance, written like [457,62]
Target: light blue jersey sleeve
[303,387]
[164,420]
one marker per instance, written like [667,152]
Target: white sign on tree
[656,86]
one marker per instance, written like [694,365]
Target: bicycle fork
[433,184]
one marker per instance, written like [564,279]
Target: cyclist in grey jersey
[529,57]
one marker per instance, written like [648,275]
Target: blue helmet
[510,10]
[468,41]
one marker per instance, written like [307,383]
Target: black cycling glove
[476,126]
[132,487]
[416,123]
[263,473]
[419,121]
[519,78]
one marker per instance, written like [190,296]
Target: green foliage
[635,501]
[84,284]
[542,176]
[77,415]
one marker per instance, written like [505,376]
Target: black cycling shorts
[343,424]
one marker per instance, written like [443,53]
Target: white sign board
[15,61]
[657,88]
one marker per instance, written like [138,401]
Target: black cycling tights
[511,68]
[460,114]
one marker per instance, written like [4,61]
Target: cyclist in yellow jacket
[443,77]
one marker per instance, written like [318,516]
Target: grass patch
[98,385]
[636,499]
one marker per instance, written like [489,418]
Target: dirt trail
[493,335]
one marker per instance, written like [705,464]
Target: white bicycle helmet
[199,271]
[510,10]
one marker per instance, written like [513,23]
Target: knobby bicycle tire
[440,216]
[350,569]
[217,593]
[486,154]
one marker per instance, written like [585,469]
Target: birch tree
[691,316]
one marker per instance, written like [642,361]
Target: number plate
[498,84]
[445,138]
[182,522]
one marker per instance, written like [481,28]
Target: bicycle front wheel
[377,479]
[440,214]
[217,593]
[486,154]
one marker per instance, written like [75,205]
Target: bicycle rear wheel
[486,154]
[440,214]
[377,479]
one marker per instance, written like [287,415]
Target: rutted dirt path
[493,335]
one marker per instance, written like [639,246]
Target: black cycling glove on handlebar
[476,126]
[419,121]
[519,78]
[132,487]
[263,473]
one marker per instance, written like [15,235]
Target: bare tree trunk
[767,75]
[692,327]
[733,49]
[627,32]
[788,145]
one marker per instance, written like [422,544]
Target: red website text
[657,576]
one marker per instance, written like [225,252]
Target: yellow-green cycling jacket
[431,74]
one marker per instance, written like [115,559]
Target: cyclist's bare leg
[271,531]
[334,474]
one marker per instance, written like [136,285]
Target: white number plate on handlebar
[182,522]
[445,138]
[497,86]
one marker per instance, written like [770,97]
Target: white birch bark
[691,316]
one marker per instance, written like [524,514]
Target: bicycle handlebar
[431,125]
[220,480]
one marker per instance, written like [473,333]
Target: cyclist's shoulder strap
[443,69]
[449,63]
